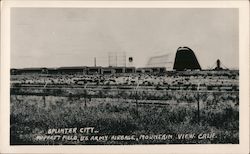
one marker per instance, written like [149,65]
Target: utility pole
[95,61]
[125,60]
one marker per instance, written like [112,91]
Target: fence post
[85,97]
[198,107]
[44,93]
[44,100]
[198,103]
[136,100]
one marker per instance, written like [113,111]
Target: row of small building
[88,70]
[185,59]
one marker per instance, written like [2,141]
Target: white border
[243,147]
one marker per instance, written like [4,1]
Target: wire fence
[104,92]
[137,96]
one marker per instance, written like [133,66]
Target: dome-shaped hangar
[185,59]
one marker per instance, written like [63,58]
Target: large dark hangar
[185,59]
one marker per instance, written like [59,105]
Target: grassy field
[30,117]
[140,107]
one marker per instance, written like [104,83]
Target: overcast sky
[53,37]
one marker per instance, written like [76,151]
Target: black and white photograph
[125,76]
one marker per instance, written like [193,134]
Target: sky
[55,37]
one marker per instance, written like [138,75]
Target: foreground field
[30,117]
[178,107]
